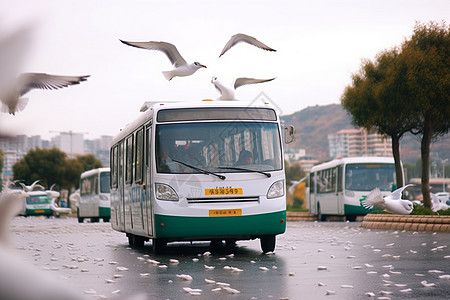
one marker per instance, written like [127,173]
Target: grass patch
[295,209]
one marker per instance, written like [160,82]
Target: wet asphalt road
[326,260]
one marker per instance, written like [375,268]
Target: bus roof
[94,171]
[148,110]
[352,160]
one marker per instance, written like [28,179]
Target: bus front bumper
[239,227]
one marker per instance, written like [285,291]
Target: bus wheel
[138,241]
[351,218]
[80,219]
[320,217]
[268,243]
[159,246]
[106,219]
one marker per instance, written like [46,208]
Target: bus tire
[267,243]
[106,219]
[320,217]
[138,242]
[80,219]
[159,246]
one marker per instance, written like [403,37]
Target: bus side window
[114,166]
[339,178]
[311,183]
[138,156]
[129,160]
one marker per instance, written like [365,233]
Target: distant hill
[314,123]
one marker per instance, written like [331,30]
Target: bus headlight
[276,190]
[165,192]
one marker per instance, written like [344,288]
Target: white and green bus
[337,187]
[94,202]
[206,170]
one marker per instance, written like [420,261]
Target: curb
[407,222]
[388,221]
[300,216]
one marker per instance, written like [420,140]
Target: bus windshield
[367,176]
[41,199]
[224,147]
[104,182]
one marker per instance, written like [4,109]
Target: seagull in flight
[181,67]
[10,94]
[227,93]
[32,187]
[240,37]
[392,202]
[437,204]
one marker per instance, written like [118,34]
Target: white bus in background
[94,202]
[338,187]
[177,174]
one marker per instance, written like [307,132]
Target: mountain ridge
[314,123]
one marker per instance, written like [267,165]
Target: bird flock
[13,86]
[182,68]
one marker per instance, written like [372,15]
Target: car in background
[444,197]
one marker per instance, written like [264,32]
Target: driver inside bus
[165,162]
[245,158]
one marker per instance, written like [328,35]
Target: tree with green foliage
[427,59]
[406,89]
[52,166]
[377,101]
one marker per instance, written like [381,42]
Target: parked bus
[94,202]
[206,170]
[37,203]
[338,187]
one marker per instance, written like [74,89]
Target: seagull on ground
[392,202]
[437,204]
[227,93]
[181,67]
[11,93]
[240,37]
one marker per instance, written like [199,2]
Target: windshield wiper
[248,170]
[200,170]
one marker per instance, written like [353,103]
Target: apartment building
[358,142]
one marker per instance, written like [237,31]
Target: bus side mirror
[289,134]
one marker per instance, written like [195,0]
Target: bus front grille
[222,200]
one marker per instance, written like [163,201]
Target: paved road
[326,260]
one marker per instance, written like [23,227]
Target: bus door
[120,188]
[340,189]
[148,207]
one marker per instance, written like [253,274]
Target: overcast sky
[319,45]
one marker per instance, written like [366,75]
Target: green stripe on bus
[104,211]
[354,210]
[186,227]
[39,211]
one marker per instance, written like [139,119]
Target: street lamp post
[443,174]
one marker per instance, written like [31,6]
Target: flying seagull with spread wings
[227,93]
[11,94]
[240,37]
[181,67]
[392,202]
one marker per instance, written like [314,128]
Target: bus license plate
[223,191]
[38,211]
[225,212]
